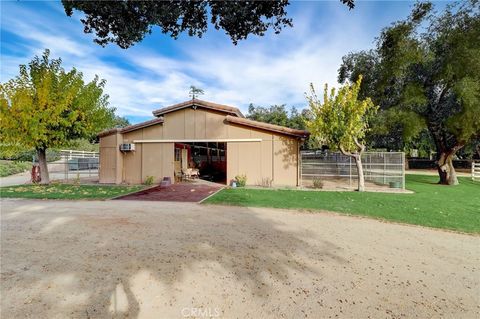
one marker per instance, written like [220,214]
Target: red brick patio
[180,192]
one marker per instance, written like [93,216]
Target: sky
[268,70]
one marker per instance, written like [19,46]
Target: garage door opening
[205,160]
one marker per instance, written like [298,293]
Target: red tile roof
[131,127]
[199,103]
[267,127]
[235,117]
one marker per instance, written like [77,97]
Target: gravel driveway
[111,259]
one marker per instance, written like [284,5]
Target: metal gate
[77,165]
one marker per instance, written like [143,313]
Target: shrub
[317,183]
[148,180]
[241,180]
[77,179]
[9,167]
[266,182]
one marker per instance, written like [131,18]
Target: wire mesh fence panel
[381,169]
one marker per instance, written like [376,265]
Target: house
[215,140]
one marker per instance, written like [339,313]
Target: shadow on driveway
[132,259]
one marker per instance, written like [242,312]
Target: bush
[10,167]
[266,182]
[148,180]
[241,180]
[317,183]
[27,156]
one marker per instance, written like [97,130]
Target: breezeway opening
[204,160]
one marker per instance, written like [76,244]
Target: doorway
[205,160]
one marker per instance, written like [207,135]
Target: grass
[449,207]
[66,191]
[8,168]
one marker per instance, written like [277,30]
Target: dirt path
[116,259]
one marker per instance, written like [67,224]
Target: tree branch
[361,147]
[342,150]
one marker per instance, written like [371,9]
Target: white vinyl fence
[475,171]
[381,169]
[70,154]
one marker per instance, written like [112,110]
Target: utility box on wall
[127,147]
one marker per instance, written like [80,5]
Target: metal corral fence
[77,165]
[475,171]
[381,169]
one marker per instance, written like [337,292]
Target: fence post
[66,168]
[384,168]
[300,166]
[475,171]
[350,171]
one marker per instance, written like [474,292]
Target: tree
[45,106]
[341,121]
[275,114]
[128,22]
[121,121]
[278,115]
[425,75]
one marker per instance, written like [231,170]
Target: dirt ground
[116,259]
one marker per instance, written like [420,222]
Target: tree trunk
[361,178]
[445,168]
[357,156]
[42,162]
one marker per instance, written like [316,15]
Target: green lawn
[66,191]
[8,168]
[450,207]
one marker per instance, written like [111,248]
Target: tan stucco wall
[275,157]
[111,160]
[155,159]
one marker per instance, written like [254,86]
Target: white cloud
[273,69]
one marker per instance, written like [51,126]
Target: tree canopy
[46,106]
[120,121]
[340,120]
[128,22]
[425,75]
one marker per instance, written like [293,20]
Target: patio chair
[194,172]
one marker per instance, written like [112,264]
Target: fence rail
[475,171]
[380,168]
[71,154]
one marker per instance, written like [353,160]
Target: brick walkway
[180,192]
